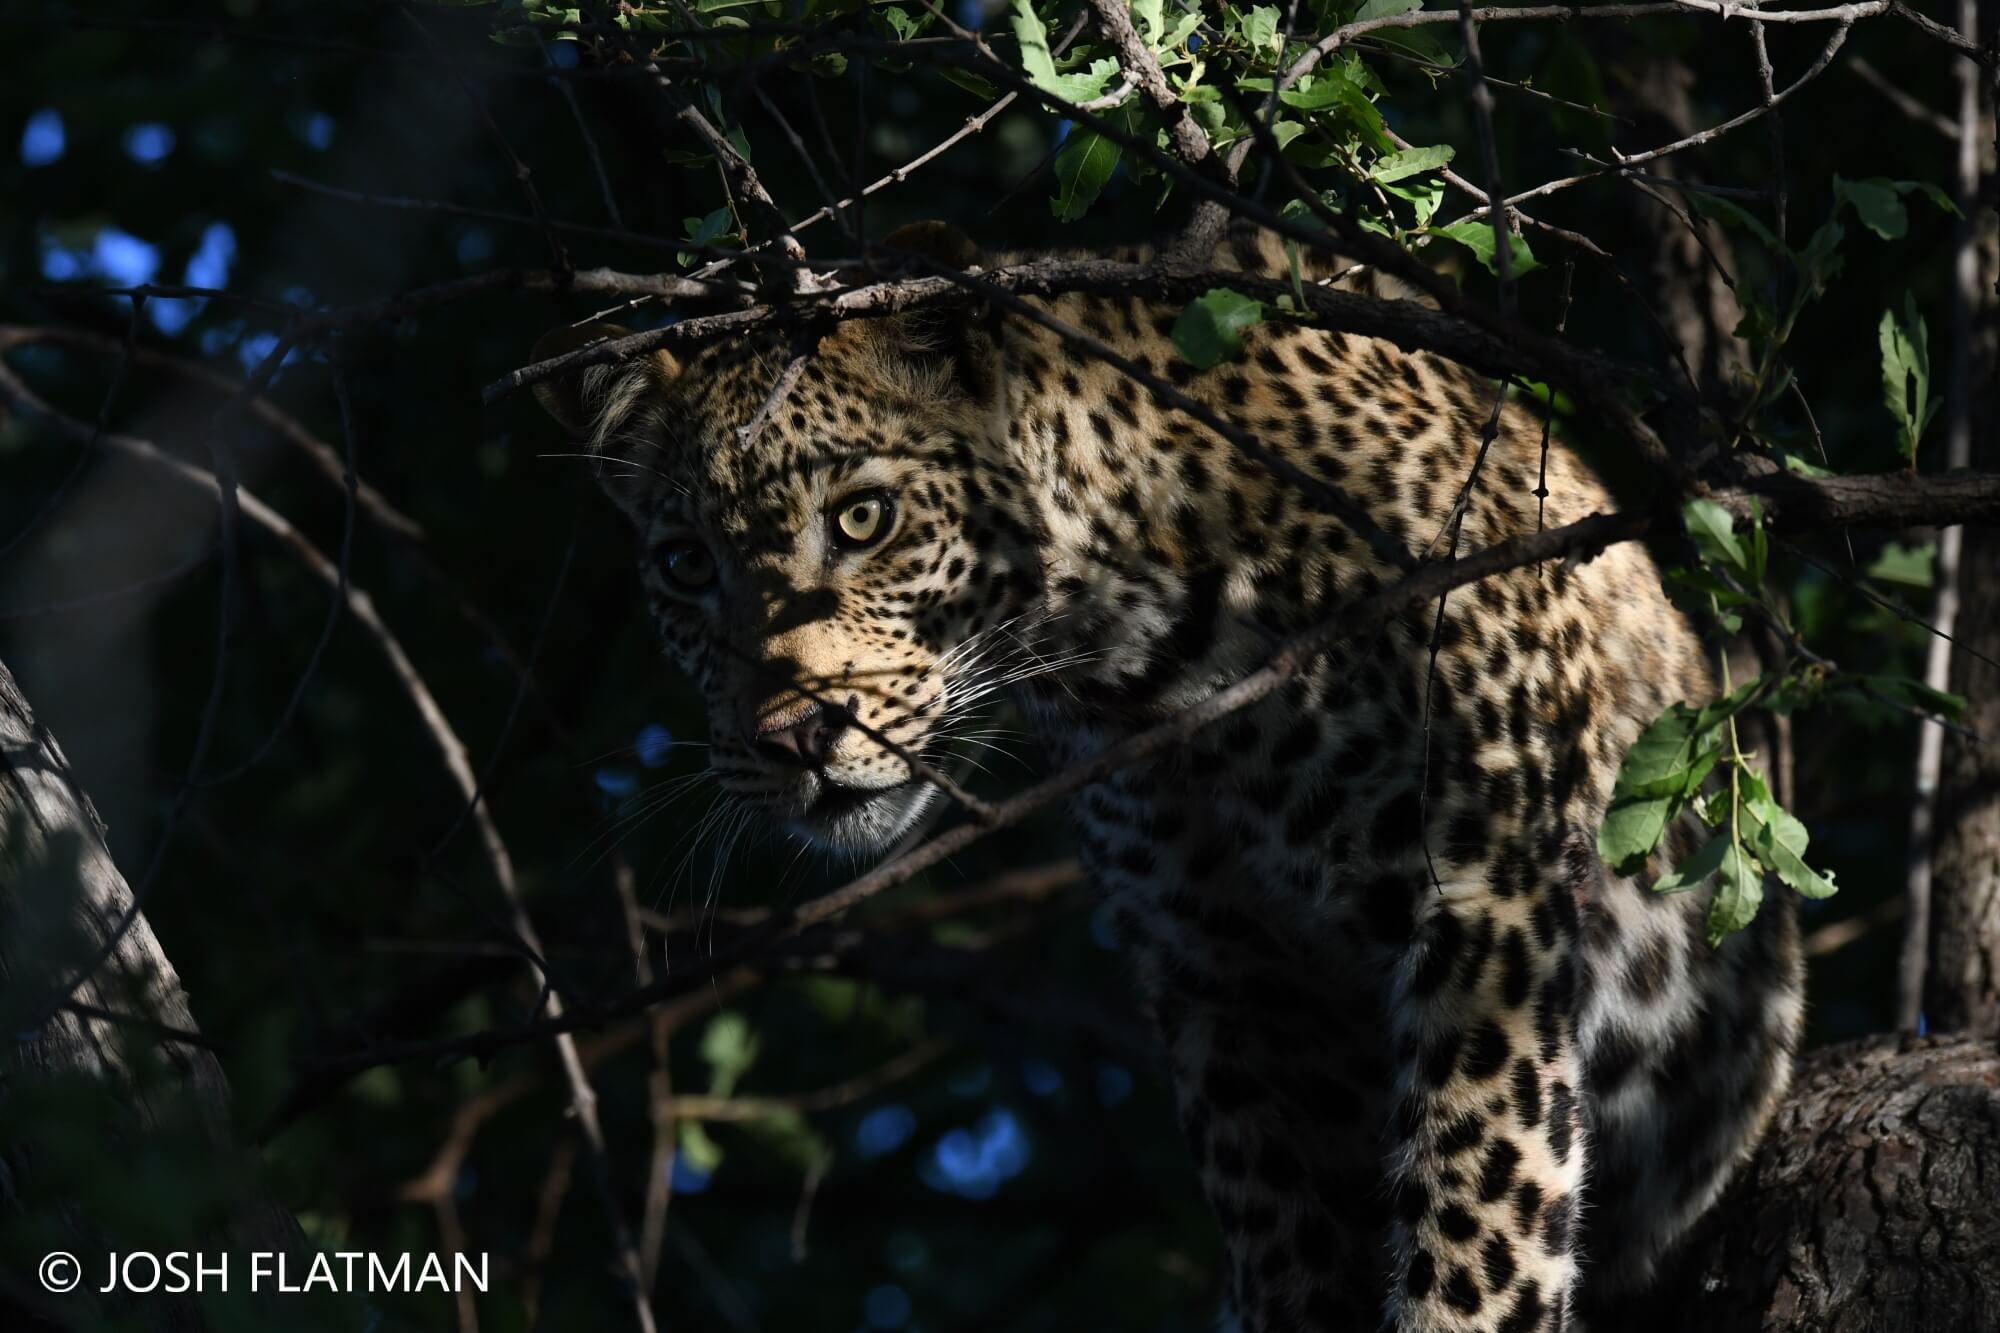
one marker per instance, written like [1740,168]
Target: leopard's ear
[955,336]
[577,399]
[937,241]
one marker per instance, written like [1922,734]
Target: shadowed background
[958,1126]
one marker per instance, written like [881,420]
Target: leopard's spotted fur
[1478,1087]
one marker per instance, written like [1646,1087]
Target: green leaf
[1260,28]
[1737,895]
[1340,86]
[1876,204]
[969,81]
[1713,529]
[1476,235]
[1781,844]
[1210,330]
[1147,16]
[1759,545]
[699,1149]
[1040,63]
[703,231]
[1907,565]
[1036,58]
[1745,555]
[1780,839]
[1910,693]
[1714,714]
[1691,873]
[1799,463]
[1382,9]
[1631,829]
[1315,92]
[1421,42]
[1906,374]
[1820,260]
[1929,191]
[1082,168]
[1724,211]
[1671,756]
[785,1136]
[1177,39]
[729,1047]
[1704,584]
[1424,197]
[1408,162]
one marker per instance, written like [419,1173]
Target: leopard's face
[845,585]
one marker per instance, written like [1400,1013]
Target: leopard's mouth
[836,799]
[838,814]
[842,817]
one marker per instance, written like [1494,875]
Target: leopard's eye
[863,520]
[687,565]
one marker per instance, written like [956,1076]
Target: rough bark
[1873,1207]
[61,898]
[1962,987]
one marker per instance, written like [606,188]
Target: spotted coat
[1438,1068]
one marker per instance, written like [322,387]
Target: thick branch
[61,898]
[1870,1204]
[1190,145]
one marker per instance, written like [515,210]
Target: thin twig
[665,285]
[523,176]
[834,1096]
[604,190]
[1859,66]
[337,599]
[1844,15]
[1700,137]
[742,177]
[1481,98]
[127,348]
[1774,128]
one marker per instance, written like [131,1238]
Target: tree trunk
[140,1107]
[1873,1207]
[1962,988]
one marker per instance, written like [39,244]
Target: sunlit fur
[1431,1057]
[907,636]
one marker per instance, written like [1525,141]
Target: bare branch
[1845,15]
[1861,68]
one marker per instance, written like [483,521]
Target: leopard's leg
[1278,1062]
[1489,1150]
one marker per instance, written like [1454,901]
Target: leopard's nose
[804,738]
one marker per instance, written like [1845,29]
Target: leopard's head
[844,570]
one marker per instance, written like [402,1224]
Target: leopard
[1439,1068]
